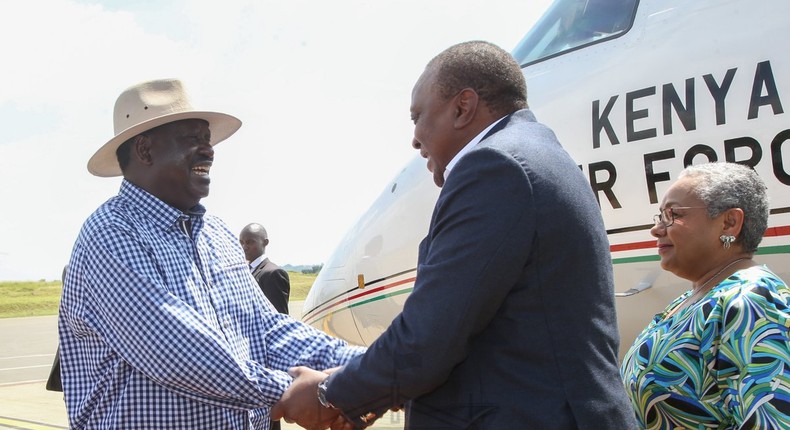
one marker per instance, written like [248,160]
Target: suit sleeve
[478,245]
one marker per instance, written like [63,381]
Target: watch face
[322,394]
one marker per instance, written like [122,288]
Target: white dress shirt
[468,148]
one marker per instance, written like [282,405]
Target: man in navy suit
[511,324]
[274,281]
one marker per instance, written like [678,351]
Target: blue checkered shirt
[162,326]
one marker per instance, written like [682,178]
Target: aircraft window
[570,24]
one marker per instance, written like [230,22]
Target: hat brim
[104,162]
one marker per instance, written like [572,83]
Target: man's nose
[206,149]
[415,144]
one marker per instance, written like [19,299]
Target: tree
[314,269]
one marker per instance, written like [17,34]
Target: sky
[322,87]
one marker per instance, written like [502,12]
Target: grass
[300,285]
[28,299]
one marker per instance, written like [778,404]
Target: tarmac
[27,405]
[30,406]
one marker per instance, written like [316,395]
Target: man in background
[273,280]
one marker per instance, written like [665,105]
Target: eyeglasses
[667,215]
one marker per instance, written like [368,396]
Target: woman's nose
[658,230]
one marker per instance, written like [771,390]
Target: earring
[727,240]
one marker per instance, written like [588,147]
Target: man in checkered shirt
[161,324]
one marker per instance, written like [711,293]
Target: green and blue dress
[722,363]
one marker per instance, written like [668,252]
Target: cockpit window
[570,24]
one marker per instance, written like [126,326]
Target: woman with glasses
[718,356]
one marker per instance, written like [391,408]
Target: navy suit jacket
[511,323]
[275,284]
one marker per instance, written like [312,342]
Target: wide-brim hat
[148,105]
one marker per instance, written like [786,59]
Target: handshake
[300,404]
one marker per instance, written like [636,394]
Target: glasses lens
[668,217]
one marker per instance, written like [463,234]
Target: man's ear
[141,149]
[466,103]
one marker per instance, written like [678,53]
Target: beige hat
[148,105]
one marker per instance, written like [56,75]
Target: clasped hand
[299,403]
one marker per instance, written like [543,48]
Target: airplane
[635,90]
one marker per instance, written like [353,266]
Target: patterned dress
[722,363]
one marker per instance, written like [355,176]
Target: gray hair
[723,186]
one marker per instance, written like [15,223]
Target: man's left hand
[299,403]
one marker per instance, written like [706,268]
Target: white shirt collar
[257,261]
[468,147]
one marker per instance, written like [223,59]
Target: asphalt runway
[27,348]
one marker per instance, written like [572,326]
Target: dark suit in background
[272,280]
[275,284]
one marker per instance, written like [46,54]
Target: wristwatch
[322,394]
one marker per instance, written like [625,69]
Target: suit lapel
[260,267]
